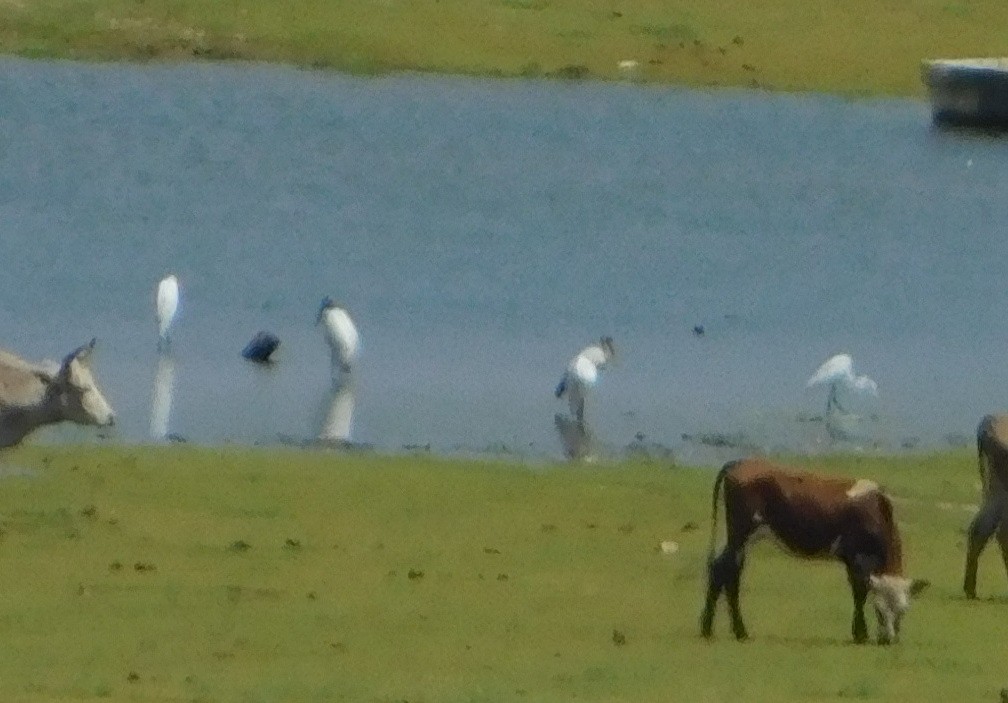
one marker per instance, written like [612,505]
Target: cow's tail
[714,508]
[981,431]
[985,432]
[893,562]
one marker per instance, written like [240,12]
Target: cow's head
[75,393]
[891,596]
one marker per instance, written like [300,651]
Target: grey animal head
[891,596]
[34,395]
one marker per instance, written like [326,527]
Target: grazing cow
[816,517]
[33,395]
[992,457]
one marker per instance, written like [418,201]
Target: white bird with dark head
[166,303]
[583,373]
[838,371]
[341,335]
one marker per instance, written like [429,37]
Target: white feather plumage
[340,334]
[838,371]
[166,303]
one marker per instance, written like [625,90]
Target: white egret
[839,371]
[166,303]
[340,333]
[583,373]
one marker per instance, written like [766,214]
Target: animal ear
[80,354]
[918,586]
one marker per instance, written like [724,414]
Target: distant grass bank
[193,574]
[868,47]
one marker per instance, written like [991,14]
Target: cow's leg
[715,584]
[980,531]
[724,573]
[1002,533]
[857,575]
[733,579]
[726,570]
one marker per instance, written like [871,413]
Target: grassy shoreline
[858,47]
[236,574]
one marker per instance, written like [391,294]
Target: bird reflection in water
[575,437]
[161,397]
[337,413]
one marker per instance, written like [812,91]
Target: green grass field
[860,47]
[198,574]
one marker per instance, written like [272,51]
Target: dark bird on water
[261,347]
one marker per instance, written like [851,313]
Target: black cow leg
[733,579]
[715,584]
[1002,536]
[859,589]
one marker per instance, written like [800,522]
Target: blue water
[481,232]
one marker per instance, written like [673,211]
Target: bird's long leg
[833,401]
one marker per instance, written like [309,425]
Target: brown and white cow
[992,457]
[816,517]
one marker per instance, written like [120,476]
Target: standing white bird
[166,304]
[839,371]
[583,373]
[341,335]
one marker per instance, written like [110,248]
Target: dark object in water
[698,330]
[970,92]
[261,347]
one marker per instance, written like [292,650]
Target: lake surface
[480,233]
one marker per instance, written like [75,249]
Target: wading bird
[839,371]
[583,373]
[340,333]
[166,303]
